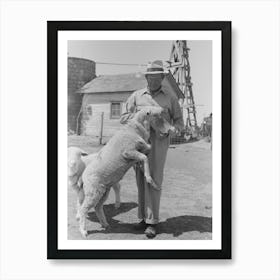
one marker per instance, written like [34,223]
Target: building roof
[114,83]
[126,83]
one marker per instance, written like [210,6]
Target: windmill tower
[180,68]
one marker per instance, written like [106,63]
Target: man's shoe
[140,226]
[151,231]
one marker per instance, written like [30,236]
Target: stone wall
[80,71]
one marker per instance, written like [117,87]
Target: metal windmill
[180,68]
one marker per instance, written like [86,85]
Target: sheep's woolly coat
[111,162]
[77,162]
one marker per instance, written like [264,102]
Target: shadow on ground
[175,226]
[181,224]
[115,225]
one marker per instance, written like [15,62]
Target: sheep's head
[74,160]
[151,116]
[161,124]
[147,113]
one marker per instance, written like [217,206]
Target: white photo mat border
[63,241]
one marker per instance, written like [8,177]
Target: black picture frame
[52,102]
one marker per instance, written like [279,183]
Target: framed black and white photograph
[139,140]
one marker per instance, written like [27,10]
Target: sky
[142,52]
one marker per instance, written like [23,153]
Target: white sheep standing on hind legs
[77,162]
[127,147]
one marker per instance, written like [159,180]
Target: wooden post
[101,128]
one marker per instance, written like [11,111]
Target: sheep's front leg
[116,189]
[143,147]
[135,155]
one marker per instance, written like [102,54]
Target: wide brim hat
[155,67]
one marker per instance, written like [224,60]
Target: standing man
[148,197]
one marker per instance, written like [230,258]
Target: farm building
[104,100]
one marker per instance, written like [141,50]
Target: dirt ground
[186,202]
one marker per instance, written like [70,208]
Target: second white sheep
[77,162]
